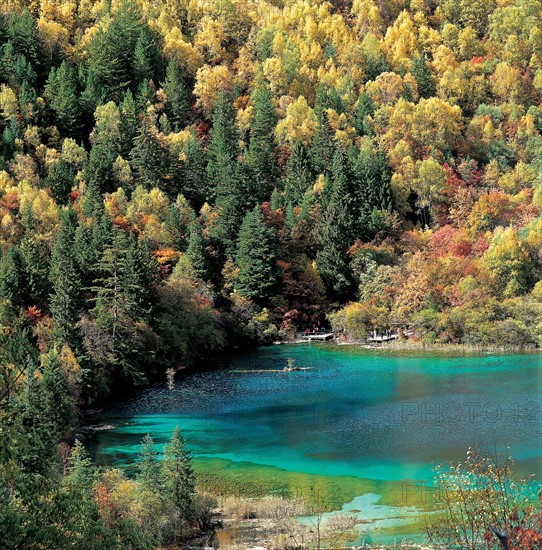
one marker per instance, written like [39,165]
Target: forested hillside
[177,176]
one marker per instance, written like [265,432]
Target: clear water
[354,413]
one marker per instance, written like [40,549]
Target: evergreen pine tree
[81,472]
[142,60]
[63,98]
[256,258]
[195,187]
[365,109]
[140,278]
[322,145]
[261,157]
[149,470]
[116,309]
[145,96]
[178,97]
[374,191]
[11,276]
[65,281]
[35,260]
[111,51]
[60,179]
[196,251]
[298,176]
[276,202]
[222,152]
[179,478]
[23,33]
[92,201]
[150,160]
[226,179]
[422,74]
[99,174]
[84,252]
[129,123]
[336,232]
[50,414]
[28,102]
[93,94]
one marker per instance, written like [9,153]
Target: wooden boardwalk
[383,338]
[323,336]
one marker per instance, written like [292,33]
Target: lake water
[370,425]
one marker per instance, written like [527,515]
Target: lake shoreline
[411,346]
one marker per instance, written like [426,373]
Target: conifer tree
[195,187]
[149,470]
[92,201]
[374,191]
[256,258]
[11,276]
[81,471]
[276,202]
[222,152]
[365,109]
[65,281]
[226,179]
[178,97]
[179,479]
[28,102]
[63,98]
[111,51]
[260,157]
[116,308]
[22,31]
[49,415]
[99,168]
[84,252]
[143,58]
[422,74]
[35,260]
[336,231]
[93,94]
[60,180]
[298,176]
[145,96]
[141,276]
[149,158]
[196,251]
[322,144]
[128,123]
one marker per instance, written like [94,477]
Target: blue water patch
[385,417]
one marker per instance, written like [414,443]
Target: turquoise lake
[370,415]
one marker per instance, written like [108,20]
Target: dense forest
[178,176]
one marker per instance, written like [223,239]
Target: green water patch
[325,493]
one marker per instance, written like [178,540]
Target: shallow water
[354,413]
